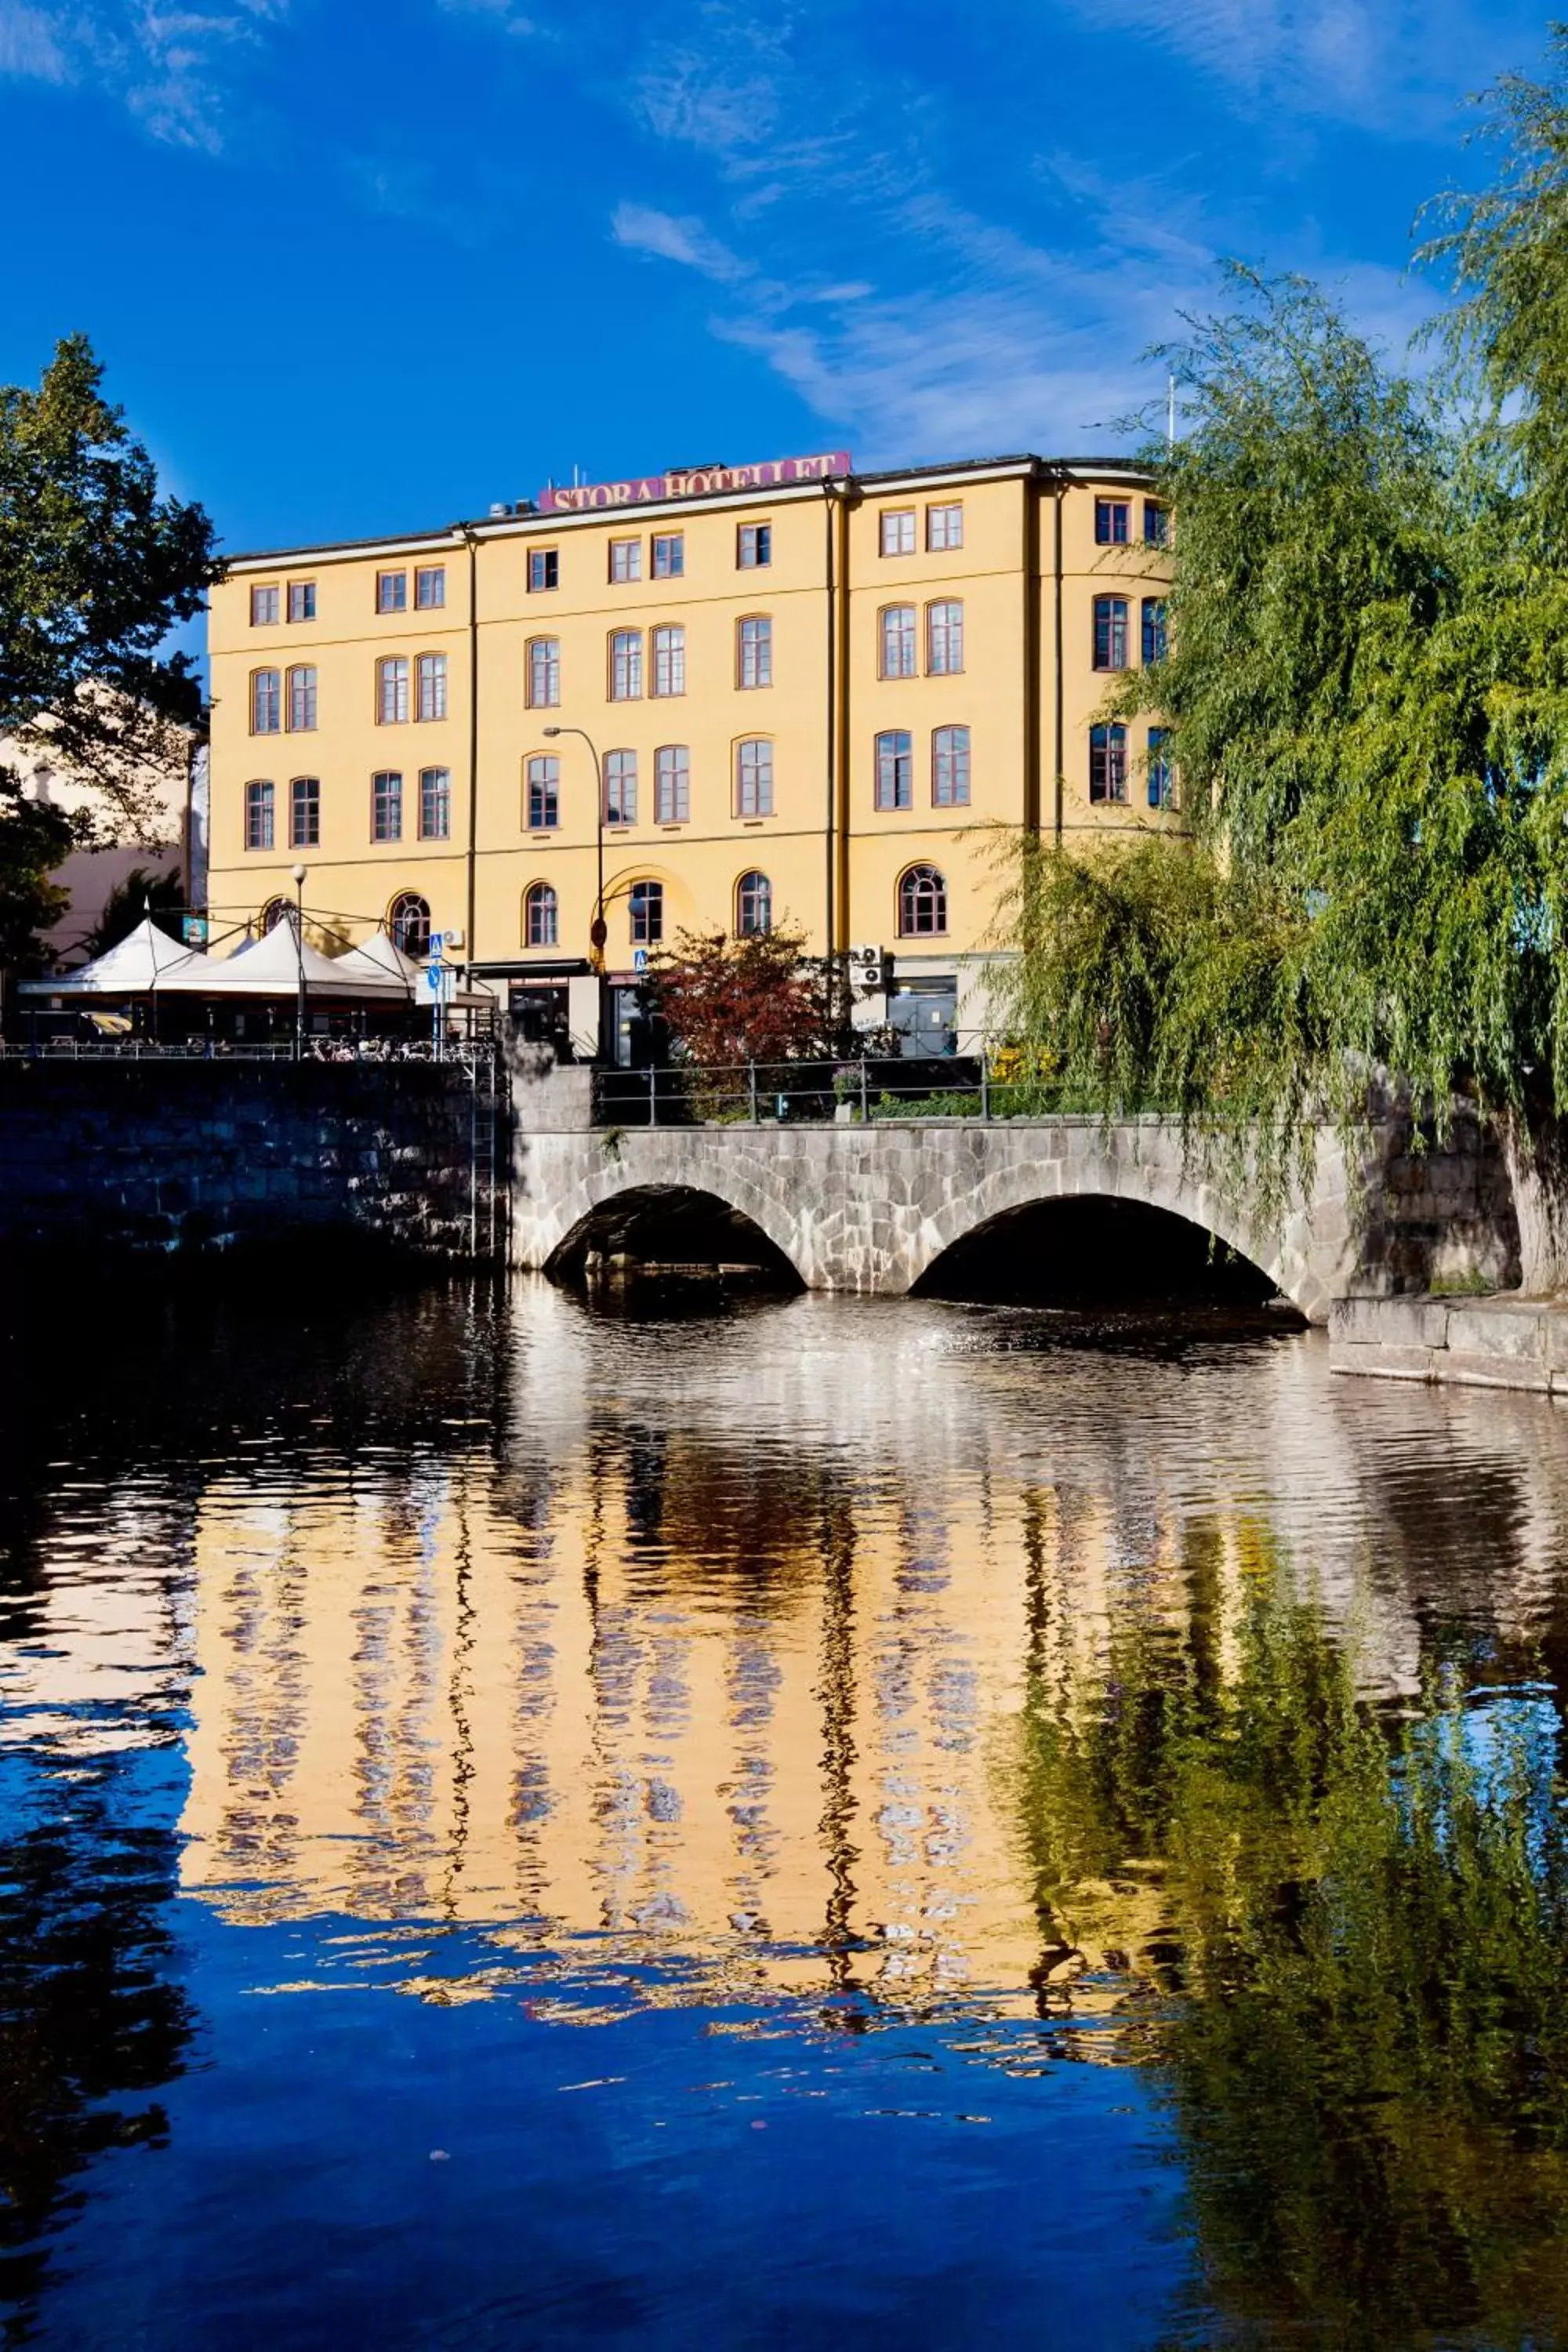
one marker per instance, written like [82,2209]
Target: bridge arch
[675,1223]
[1157,1182]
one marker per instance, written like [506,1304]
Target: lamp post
[300,873]
[599,930]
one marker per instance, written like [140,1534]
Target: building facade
[792,693]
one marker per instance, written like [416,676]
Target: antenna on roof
[1170,414]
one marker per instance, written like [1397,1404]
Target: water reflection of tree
[91,2023]
[1359,1928]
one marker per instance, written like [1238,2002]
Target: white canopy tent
[269,966]
[145,960]
[381,958]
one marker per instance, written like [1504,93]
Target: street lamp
[300,873]
[599,930]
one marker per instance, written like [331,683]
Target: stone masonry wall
[121,1156]
[870,1208]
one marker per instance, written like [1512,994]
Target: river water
[527,1826]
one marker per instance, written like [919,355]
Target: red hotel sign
[698,481]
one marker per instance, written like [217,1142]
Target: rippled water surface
[523,1827]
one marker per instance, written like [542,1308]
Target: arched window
[392,691]
[897,632]
[276,911]
[755,778]
[541,916]
[950,767]
[1110,633]
[408,920]
[944,639]
[430,671]
[305,813]
[646,903]
[302,700]
[435,804]
[669,660]
[266,701]
[896,768]
[922,903]
[754,650]
[260,804]
[672,784]
[1153,629]
[1108,761]
[753,904]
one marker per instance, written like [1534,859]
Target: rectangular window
[1112,517]
[543,673]
[430,588]
[544,569]
[646,907]
[755,779]
[259,816]
[756,650]
[672,784]
[668,555]
[1156,523]
[386,806]
[305,813]
[626,559]
[620,788]
[670,661]
[950,767]
[898,531]
[266,702]
[391,692]
[1153,629]
[302,700]
[263,608]
[435,804]
[1108,764]
[754,546]
[626,665]
[945,529]
[1162,784]
[1110,633]
[301,600]
[895,770]
[945,640]
[432,674]
[391,592]
[543,793]
[898,648]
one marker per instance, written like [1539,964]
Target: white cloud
[1395,66]
[645,230]
[169,66]
[27,45]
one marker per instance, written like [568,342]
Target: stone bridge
[872,1208]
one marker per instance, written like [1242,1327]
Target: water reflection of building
[728,1652]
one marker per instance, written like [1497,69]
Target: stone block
[1467,1369]
[1384,1361]
[1486,1331]
[1390,1322]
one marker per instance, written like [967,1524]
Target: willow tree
[1366,693]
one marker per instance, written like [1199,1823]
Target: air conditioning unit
[868,970]
[453,935]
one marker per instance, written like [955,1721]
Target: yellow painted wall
[1004,574]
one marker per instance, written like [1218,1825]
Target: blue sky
[357,269]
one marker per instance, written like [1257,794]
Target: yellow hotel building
[801,694]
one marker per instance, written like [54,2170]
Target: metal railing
[362,1050]
[841,1093]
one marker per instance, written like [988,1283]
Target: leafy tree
[96,569]
[1366,689]
[753,999]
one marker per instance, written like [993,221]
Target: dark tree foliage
[96,569]
[142,893]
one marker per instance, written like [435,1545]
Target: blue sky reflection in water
[527,1828]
